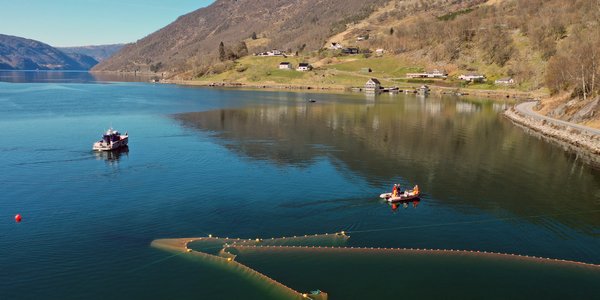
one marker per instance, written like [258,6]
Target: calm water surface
[262,164]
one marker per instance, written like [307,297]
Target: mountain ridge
[18,53]
[192,40]
[97,52]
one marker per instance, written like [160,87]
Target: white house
[505,81]
[336,46]
[304,67]
[472,77]
[285,66]
[373,85]
[437,74]
[429,74]
[416,75]
[273,52]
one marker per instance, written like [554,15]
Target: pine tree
[222,54]
[242,49]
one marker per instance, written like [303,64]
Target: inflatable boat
[403,196]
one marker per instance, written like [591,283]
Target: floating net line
[223,252]
[419,250]
[225,255]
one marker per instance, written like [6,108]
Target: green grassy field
[341,72]
[386,66]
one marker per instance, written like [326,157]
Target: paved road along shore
[526,108]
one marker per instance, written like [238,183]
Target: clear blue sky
[90,22]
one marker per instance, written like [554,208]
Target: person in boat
[395,190]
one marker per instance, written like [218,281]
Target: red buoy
[18,218]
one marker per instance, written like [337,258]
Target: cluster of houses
[273,52]
[469,77]
[344,50]
[374,84]
[302,67]
[286,65]
[352,50]
[474,77]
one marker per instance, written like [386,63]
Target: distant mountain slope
[18,53]
[193,39]
[98,52]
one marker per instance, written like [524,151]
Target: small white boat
[111,140]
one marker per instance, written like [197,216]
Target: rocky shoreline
[585,145]
[272,86]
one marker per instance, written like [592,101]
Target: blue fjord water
[253,164]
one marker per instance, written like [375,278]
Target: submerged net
[288,258]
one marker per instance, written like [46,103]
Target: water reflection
[69,77]
[462,153]
[466,107]
[405,204]
[113,156]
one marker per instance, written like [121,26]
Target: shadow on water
[462,153]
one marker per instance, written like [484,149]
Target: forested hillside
[551,45]
[192,41]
